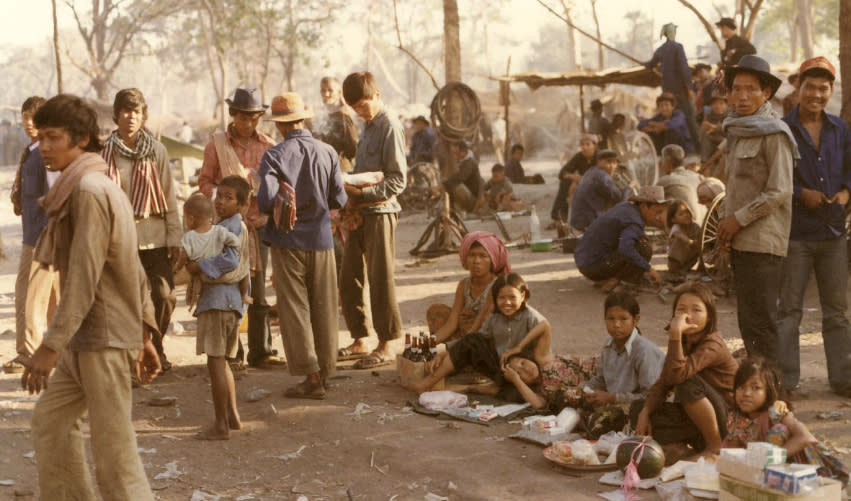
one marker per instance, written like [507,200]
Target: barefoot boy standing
[97,331]
[220,309]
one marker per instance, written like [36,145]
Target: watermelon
[652,459]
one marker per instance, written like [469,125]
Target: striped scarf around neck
[146,191]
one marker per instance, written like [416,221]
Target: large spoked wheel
[709,250]
[642,161]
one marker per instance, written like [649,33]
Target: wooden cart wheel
[709,235]
[642,160]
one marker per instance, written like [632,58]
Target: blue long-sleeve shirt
[312,168]
[676,74]
[617,230]
[33,187]
[677,132]
[222,296]
[422,146]
[595,193]
[826,169]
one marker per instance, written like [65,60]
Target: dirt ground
[292,449]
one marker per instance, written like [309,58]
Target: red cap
[818,64]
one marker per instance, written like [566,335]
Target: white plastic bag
[440,400]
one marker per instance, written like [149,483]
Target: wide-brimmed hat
[650,194]
[817,66]
[288,107]
[752,64]
[246,99]
[728,22]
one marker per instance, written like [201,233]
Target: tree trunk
[574,52]
[793,39]
[805,27]
[845,57]
[56,50]
[600,58]
[451,41]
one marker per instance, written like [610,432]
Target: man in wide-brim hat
[758,208]
[237,151]
[303,264]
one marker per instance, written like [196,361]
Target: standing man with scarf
[758,207]
[139,164]
[103,320]
[237,151]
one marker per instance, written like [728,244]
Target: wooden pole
[582,107]
[506,147]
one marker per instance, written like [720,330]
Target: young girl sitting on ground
[483,255]
[629,365]
[683,241]
[699,370]
[506,327]
[760,416]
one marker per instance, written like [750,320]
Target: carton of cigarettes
[736,463]
[765,454]
[792,478]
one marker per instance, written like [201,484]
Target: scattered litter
[170,437]
[301,498]
[360,409]
[141,450]
[616,495]
[29,455]
[434,497]
[177,328]
[495,439]
[245,497]
[452,486]
[412,486]
[257,395]
[171,471]
[830,416]
[203,496]
[162,401]
[293,455]
[7,483]
[274,409]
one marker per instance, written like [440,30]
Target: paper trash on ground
[203,496]
[292,455]
[434,497]
[171,471]
[616,495]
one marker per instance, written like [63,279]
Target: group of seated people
[717,400]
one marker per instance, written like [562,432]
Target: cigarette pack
[792,478]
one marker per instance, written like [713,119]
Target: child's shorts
[218,333]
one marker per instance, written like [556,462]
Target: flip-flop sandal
[303,390]
[372,361]
[344,354]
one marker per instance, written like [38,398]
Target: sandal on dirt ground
[313,391]
[372,361]
[344,354]
[13,367]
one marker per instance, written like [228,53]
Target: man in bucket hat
[614,248]
[735,47]
[237,151]
[303,264]
[758,208]
[822,179]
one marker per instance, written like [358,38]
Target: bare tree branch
[401,47]
[747,32]
[706,24]
[585,33]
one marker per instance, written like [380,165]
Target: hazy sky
[29,22]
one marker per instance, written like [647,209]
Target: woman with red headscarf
[483,255]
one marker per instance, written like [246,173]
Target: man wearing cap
[422,142]
[614,247]
[571,173]
[676,81]
[822,180]
[596,191]
[668,125]
[370,251]
[758,207]
[679,182]
[735,47]
[237,151]
[303,264]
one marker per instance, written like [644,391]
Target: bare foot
[234,423]
[212,433]
[357,347]
[247,299]
[609,285]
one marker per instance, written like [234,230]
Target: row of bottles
[422,348]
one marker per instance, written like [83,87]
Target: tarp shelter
[636,75]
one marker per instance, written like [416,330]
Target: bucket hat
[246,99]
[752,64]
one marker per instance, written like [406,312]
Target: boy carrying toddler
[223,278]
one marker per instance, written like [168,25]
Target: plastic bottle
[534,225]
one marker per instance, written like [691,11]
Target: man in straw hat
[758,208]
[303,263]
[237,151]
[614,247]
[822,179]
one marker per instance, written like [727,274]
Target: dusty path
[322,449]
